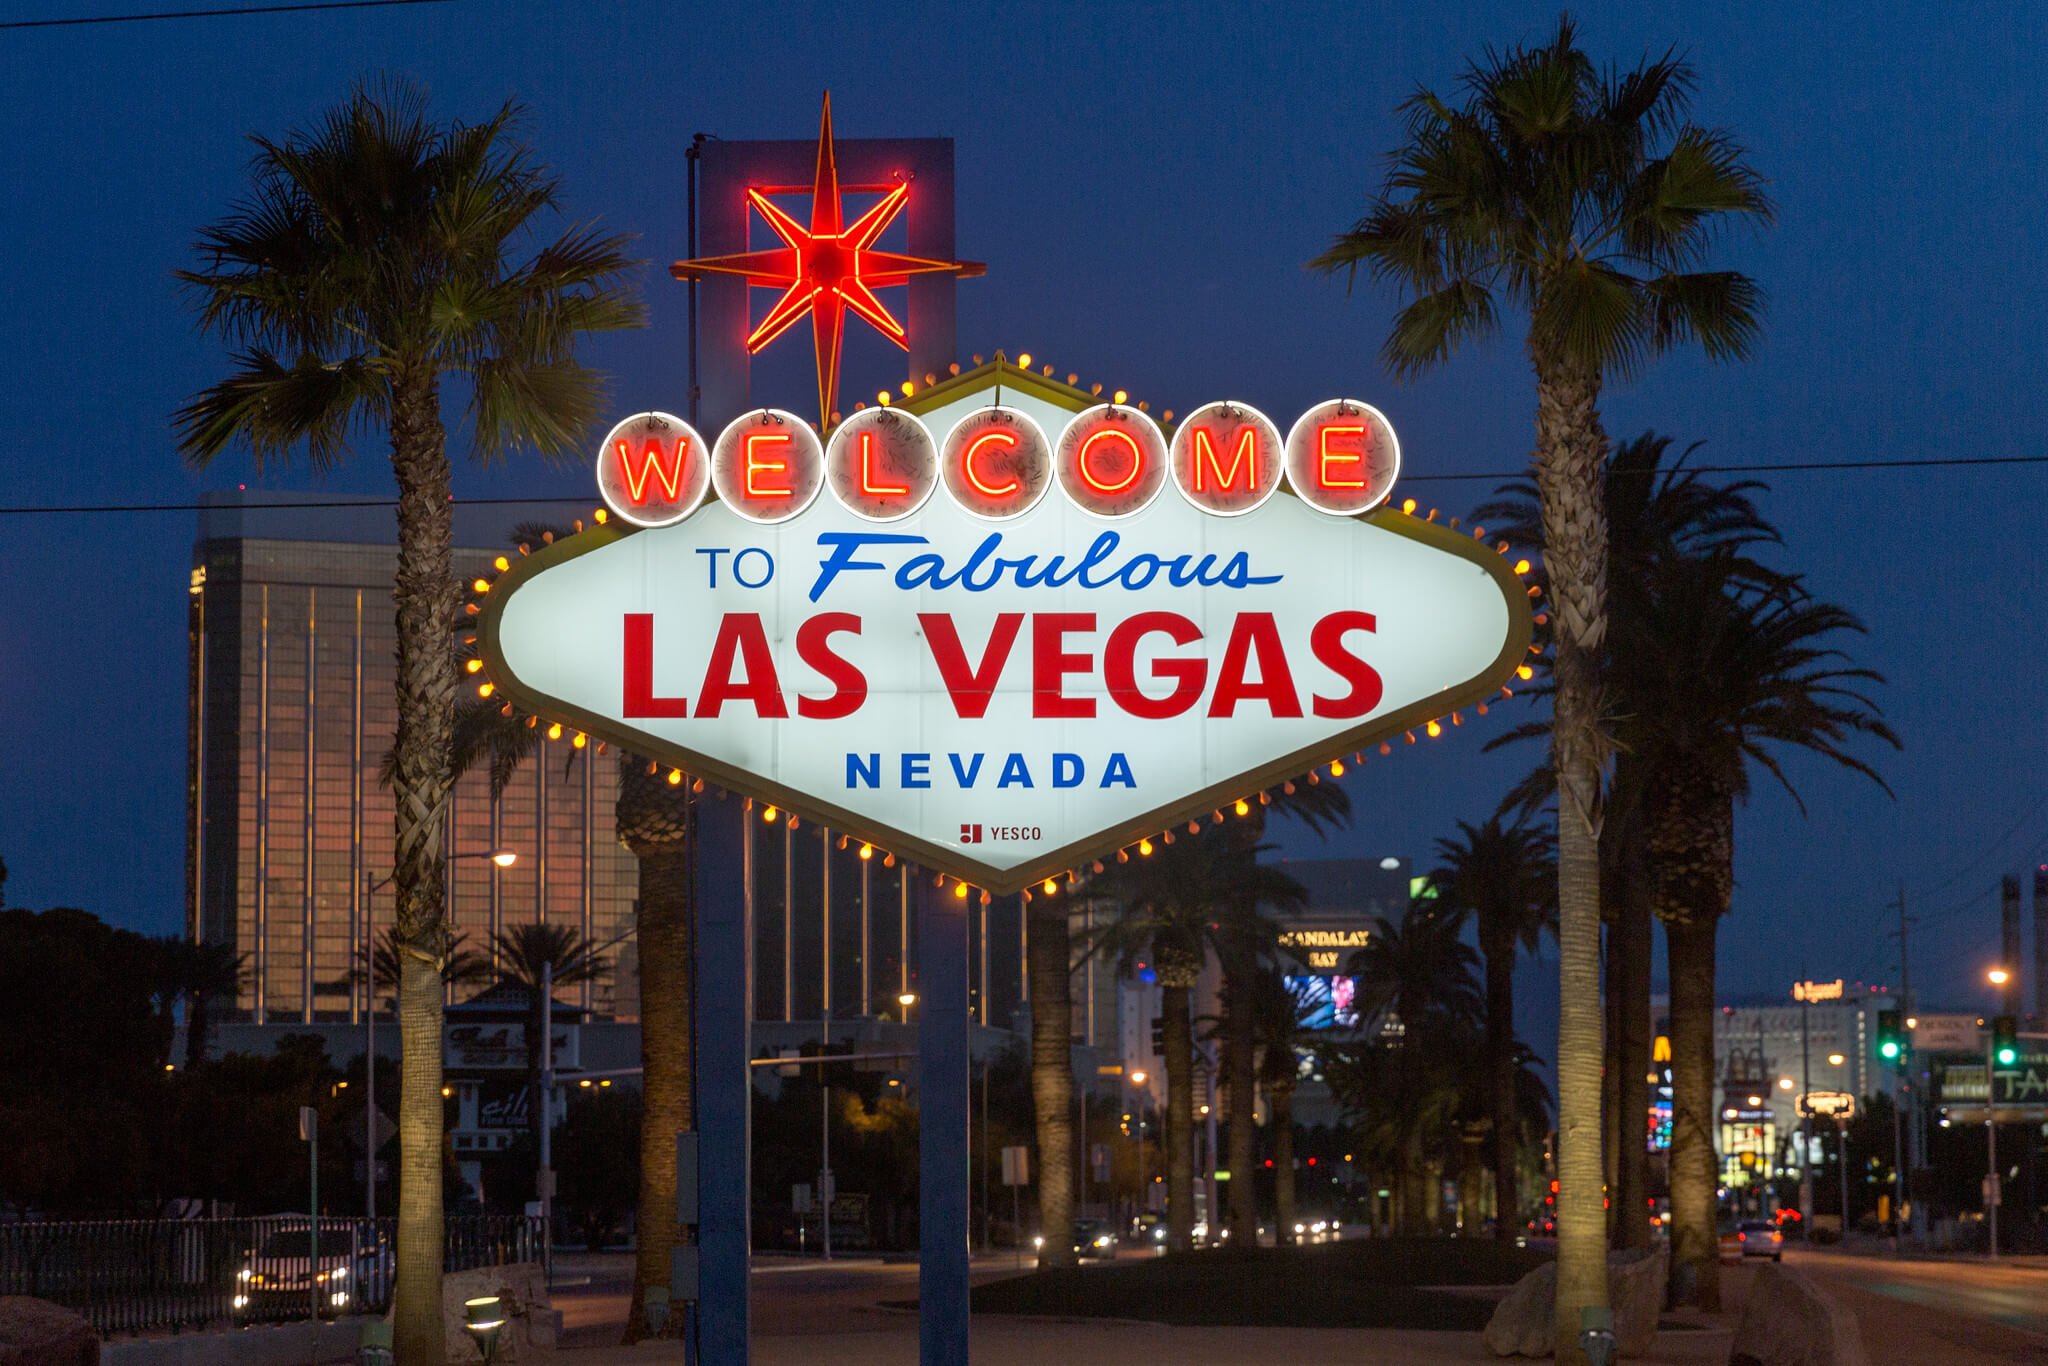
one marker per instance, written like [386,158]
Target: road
[1956,1313]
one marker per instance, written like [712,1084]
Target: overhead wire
[153,16]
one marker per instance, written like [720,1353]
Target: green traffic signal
[1891,1038]
[1888,1049]
[2005,1040]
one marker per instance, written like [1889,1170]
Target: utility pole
[1909,1086]
[1805,1120]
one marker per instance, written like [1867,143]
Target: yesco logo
[979,630]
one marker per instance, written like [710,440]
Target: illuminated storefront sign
[1005,627]
[1817,991]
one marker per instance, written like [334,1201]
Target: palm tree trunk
[1283,1162]
[665,935]
[1500,1063]
[1630,945]
[1570,446]
[1240,1070]
[426,600]
[539,1019]
[1180,1119]
[1049,949]
[1695,1247]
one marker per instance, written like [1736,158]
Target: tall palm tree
[1172,900]
[460,966]
[1654,509]
[1587,200]
[1730,674]
[1048,946]
[210,972]
[544,958]
[1503,874]
[377,255]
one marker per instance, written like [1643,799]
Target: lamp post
[1138,1081]
[1993,1196]
[504,858]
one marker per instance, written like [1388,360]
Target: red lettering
[1254,633]
[671,476]
[814,647]
[1326,455]
[741,640]
[756,465]
[1119,666]
[1327,641]
[971,686]
[640,699]
[868,485]
[1050,664]
[1132,451]
[1246,458]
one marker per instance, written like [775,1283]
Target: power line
[213,13]
[32,509]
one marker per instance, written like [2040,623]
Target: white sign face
[1828,1104]
[1948,1034]
[1006,696]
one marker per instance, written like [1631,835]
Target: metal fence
[155,1275]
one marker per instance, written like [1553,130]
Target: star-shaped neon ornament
[826,269]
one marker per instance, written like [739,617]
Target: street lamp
[504,858]
[1138,1077]
[1836,1060]
[1993,1196]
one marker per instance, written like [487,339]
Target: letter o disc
[768,465]
[881,464]
[1111,460]
[1342,457]
[1227,457]
[996,463]
[653,469]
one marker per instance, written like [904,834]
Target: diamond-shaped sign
[1003,699]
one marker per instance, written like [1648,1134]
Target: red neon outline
[1324,455]
[1009,440]
[866,488]
[1137,459]
[749,464]
[1247,452]
[650,458]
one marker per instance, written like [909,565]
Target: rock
[1523,1322]
[37,1333]
[1788,1321]
[530,1324]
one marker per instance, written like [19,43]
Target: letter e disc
[653,469]
[1111,460]
[767,465]
[1227,457]
[1342,457]
[996,463]
[881,464]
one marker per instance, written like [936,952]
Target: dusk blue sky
[1145,183]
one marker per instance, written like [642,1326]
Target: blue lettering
[1099,566]
[1015,774]
[1118,772]
[965,776]
[860,774]
[917,770]
[842,547]
[1068,770]
[713,552]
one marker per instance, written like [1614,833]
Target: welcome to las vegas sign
[1003,628]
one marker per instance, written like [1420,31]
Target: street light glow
[907,999]
[1138,1078]
[505,858]
[1836,1060]
[1998,977]
[1784,1083]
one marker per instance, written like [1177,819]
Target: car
[277,1278]
[1094,1240]
[1760,1238]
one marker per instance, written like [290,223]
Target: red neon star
[825,269]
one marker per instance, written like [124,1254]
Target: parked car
[1759,1238]
[277,1277]
[1094,1240]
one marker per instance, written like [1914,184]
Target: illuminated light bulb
[908,388]
[867,851]
[502,564]
[883,398]
[1145,848]
[482,585]
[1024,361]
[1049,886]
[960,891]
[1336,768]
[470,608]
[484,690]
[1408,506]
[1524,672]
[1521,566]
[768,814]
[1121,396]
[555,731]
[601,516]
[1434,730]
[1243,808]
[580,741]
[474,665]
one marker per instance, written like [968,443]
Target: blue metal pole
[942,1102]
[724,1007]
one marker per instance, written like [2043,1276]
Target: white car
[277,1278]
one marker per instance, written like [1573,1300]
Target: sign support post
[724,1084]
[942,1161]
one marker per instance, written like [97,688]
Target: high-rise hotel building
[291,711]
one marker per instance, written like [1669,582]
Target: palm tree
[374,258]
[1171,903]
[1729,674]
[1503,874]
[1654,509]
[459,966]
[1588,200]
[1048,945]
[544,958]
[210,972]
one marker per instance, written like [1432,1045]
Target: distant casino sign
[1004,627]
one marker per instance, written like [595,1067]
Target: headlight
[1298,1228]
[1102,1242]
[339,1297]
[1038,1242]
[1158,1235]
[243,1274]
[241,1301]
[340,1273]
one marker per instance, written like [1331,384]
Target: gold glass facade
[291,665]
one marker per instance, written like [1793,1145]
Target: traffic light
[2005,1040]
[1891,1038]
